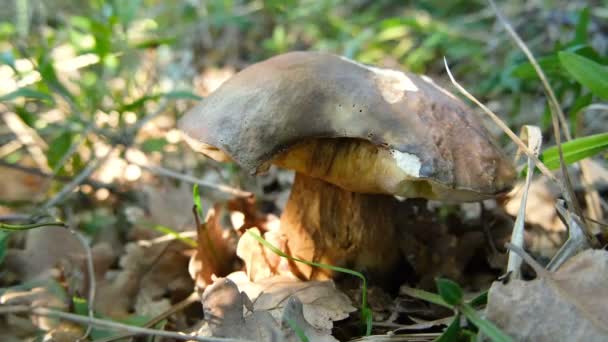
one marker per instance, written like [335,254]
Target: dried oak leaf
[322,302]
[223,305]
[230,313]
[570,304]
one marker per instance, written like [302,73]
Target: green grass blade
[486,327]
[426,296]
[575,150]
[590,74]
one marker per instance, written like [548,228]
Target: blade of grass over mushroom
[501,124]
[557,115]
[365,310]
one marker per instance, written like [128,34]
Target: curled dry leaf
[229,312]
[322,302]
[570,304]
[223,305]
[44,249]
[260,262]
[216,250]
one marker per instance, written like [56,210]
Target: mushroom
[356,135]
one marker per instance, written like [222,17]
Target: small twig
[161,171]
[172,310]
[27,136]
[46,312]
[65,179]
[79,179]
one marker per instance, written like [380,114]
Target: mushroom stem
[326,224]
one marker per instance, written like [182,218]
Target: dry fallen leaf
[260,262]
[322,302]
[223,305]
[230,312]
[216,250]
[44,249]
[570,304]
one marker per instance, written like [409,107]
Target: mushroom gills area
[326,224]
[355,165]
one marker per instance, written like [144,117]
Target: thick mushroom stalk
[356,135]
[327,224]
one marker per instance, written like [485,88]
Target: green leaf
[449,291]
[590,74]
[196,198]
[154,145]
[3,245]
[481,299]
[426,296]
[27,93]
[298,330]
[58,148]
[451,332]
[575,150]
[582,24]
[486,327]
[181,94]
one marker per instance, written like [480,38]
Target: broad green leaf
[58,148]
[481,299]
[590,74]
[451,332]
[449,291]
[27,93]
[575,150]
[153,145]
[486,327]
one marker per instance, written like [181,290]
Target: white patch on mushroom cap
[409,163]
[392,83]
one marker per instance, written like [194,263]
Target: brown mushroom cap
[408,136]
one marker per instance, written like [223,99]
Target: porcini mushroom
[356,135]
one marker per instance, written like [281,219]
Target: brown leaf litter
[570,304]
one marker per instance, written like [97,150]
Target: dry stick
[64,179]
[84,174]
[161,171]
[46,312]
[172,310]
[556,110]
